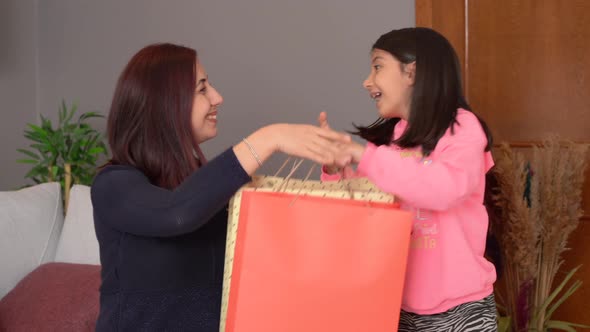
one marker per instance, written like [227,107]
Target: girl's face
[390,84]
[205,104]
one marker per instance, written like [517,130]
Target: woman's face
[205,107]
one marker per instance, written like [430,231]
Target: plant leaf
[26,161]
[35,137]
[42,148]
[96,150]
[553,295]
[29,153]
[46,124]
[504,323]
[577,284]
[37,171]
[38,130]
[71,114]
[62,112]
[89,115]
[565,326]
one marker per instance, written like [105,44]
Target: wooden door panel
[529,67]
[526,68]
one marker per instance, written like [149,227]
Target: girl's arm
[431,184]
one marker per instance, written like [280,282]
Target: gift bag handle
[296,164]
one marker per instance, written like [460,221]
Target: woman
[159,207]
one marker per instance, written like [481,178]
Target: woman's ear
[410,71]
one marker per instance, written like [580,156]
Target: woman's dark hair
[437,92]
[149,123]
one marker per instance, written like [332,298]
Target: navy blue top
[162,252]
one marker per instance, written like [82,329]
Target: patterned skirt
[480,316]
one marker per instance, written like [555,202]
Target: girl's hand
[332,168]
[350,152]
[323,120]
[356,152]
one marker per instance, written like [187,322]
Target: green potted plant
[67,154]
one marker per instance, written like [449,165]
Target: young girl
[432,152]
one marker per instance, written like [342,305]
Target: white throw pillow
[31,220]
[78,243]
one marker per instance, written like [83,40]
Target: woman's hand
[321,145]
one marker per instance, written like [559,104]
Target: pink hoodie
[446,266]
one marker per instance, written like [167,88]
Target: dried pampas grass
[535,211]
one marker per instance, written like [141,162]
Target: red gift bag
[308,263]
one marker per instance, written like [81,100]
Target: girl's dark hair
[437,92]
[149,123]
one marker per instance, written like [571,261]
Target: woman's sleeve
[124,199]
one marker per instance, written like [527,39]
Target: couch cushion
[78,242]
[54,297]
[30,225]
